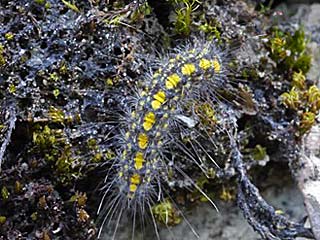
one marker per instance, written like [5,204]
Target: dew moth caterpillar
[191,72]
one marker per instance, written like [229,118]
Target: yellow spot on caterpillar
[135,179]
[133,188]
[216,65]
[159,97]
[188,69]
[172,81]
[138,160]
[149,120]
[204,64]
[143,140]
[120,174]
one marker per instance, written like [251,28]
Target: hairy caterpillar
[194,72]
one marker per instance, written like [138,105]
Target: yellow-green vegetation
[12,88]
[56,92]
[211,27]
[259,152]
[206,114]
[56,115]
[201,182]
[57,151]
[5,193]
[40,2]
[17,187]
[126,18]
[183,20]
[3,219]
[9,36]
[227,194]
[304,100]
[71,6]
[96,153]
[166,214]
[142,11]
[290,51]
[79,198]
[2,59]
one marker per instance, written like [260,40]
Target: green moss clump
[3,219]
[211,27]
[2,58]
[40,2]
[71,6]
[290,51]
[183,20]
[5,193]
[304,100]
[9,36]
[142,11]
[259,152]
[166,214]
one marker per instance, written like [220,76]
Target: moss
[250,73]
[79,198]
[2,58]
[259,152]
[12,88]
[3,220]
[5,193]
[110,155]
[166,214]
[17,187]
[313,98]
[291,99]
[304,100]
[183,20]
[45,137]
[211,27]
[227,194]
[40,2]
[83,216]
[290,51]
[9,36]
[307,121]
[298,80]
[71,6]
[206,114]
[56,93]
[54,76]
[34,216]
[56,115]
[142,11]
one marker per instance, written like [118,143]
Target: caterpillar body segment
[140,165]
